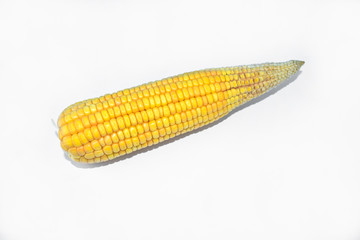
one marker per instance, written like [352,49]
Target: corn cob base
[101,129]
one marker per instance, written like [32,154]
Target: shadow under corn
[144,150]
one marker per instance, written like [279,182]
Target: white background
[285,167]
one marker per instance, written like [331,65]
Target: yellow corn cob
[113,125]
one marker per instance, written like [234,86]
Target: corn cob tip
[299,63]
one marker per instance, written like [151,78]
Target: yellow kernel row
[157,132]
[125,131]
[112,100]
[133,144]
[127,120]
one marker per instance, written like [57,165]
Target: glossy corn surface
[113,125]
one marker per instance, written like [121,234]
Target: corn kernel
[133,131]
[88,148]
[127,121]
[67,142]
[113,125]
[115,148]
[95,145]
[142,139]
[135,141]
[76,140]
[139,118]
[152,125]
[102,130]
[155,134]
[156,113]
[94,132]
[127,133]
[128,143]
[107,140]
[105,115]
[132,118]
[108,128]
[162,132]
[92,120]
[102,142]
[165,121]
[99,118]
[148,136]
[82,138]
[114,137]
[108,150]
[89,156]
[98,153]
[71,127]
[122,145]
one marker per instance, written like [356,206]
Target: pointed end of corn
[299,63]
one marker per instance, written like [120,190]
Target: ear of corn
[113,125]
